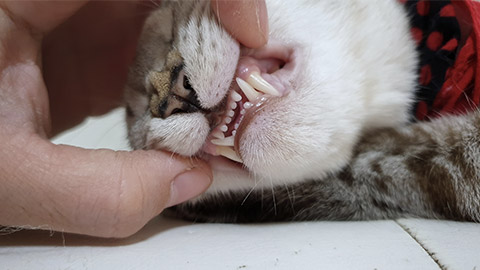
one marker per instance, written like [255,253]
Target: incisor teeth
[233,105]
[224,128]
[249,91]
[228,141]
[228,120]
[231,113]
[228,152]
[236,97]
[259,83]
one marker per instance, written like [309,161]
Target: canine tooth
[228,120]
[247,105]
[259,83]
[231,113]
[233,105]
[217,134]
[228,141]
[224,128]
[236,97]
[228,152]
[248,90]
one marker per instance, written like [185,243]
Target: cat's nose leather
[176,97]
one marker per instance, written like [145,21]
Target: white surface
[107,131]
[173,244]
[454,245]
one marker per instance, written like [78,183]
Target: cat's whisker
[249,192]
[273,196]
[291,197]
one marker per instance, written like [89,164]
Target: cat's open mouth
[261,75]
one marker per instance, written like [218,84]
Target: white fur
[356,71]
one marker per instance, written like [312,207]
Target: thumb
[96,192]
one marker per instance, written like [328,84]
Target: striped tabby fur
[427,170]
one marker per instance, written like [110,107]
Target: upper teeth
[249,91]
[252,88]
[259,83]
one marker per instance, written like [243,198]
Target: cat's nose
[174,97]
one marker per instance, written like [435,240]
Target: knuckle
[124,205]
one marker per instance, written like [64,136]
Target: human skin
[59,63]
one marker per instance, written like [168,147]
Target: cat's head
[271,114]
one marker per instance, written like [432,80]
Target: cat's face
[267,116]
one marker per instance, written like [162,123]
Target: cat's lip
[268,73]
[279,77]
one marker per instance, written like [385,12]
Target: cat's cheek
[183,134]
[137,130]
[267,145]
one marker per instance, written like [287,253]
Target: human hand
[50,79]
[247,20]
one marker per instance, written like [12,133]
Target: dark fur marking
[129,111]
[436,183]
[346,176]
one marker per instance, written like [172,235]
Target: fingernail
[188,185]
[262,20]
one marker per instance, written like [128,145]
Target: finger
[245,20]
[94,192]
[42,16]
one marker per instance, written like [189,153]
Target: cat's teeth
[259,83]
[242,111]
[228,120]
[234,132]
[249,91]
[224,128]
[247,105]
[233,105]
[228,152]
[228,141]
[218,134]
[236,97]
[231,113]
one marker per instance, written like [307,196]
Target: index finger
[245,20]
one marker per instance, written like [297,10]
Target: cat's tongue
[262,74]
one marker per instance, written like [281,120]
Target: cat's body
[351,73]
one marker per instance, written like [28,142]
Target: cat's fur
[354,74]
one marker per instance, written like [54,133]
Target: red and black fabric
[447,34]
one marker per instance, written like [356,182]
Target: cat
[315,125]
